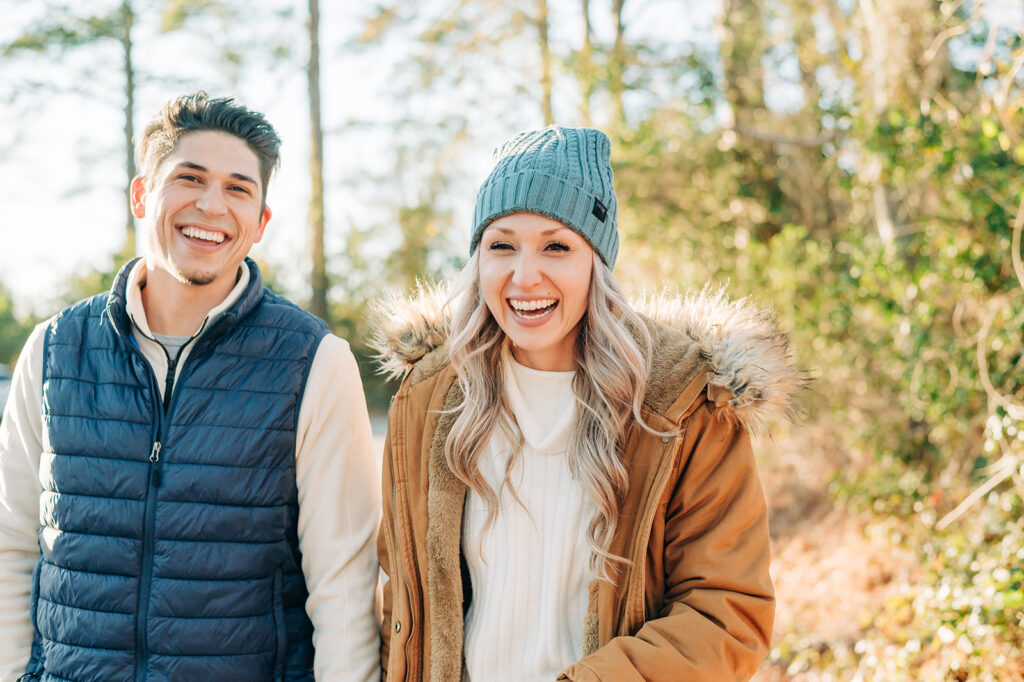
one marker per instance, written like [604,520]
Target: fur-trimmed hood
[750,371]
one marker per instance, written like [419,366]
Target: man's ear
[264,219]
[138,197]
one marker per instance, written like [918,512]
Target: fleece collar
[124,306]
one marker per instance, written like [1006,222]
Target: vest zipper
[149,526]
[172,367]
[154,458]
[146,577]
[146,574]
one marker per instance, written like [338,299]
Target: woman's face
[535,277]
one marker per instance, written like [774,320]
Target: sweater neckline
[543,404]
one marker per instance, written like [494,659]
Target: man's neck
[178,309]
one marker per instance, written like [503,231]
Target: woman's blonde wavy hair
[612,353]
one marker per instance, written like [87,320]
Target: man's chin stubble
[195,279]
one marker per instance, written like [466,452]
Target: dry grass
[830,574]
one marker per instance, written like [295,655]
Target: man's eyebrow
[198,167]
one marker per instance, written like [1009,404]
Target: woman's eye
[557,246]
[500,246]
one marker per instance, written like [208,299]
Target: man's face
[203,208]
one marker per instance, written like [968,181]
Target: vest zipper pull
[154,458]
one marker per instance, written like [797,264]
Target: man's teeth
[195,232]
[532,305]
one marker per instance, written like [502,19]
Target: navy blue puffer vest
[169,548]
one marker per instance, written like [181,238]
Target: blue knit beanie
[559,173]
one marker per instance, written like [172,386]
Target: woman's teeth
[533,308]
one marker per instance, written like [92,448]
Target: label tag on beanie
[599,211]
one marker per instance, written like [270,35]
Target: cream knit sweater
[530,571]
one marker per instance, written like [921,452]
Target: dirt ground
[830,575]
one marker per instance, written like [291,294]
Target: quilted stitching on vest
[225,598]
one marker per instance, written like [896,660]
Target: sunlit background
[854,164]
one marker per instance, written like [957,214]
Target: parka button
[398,626]
[664,439]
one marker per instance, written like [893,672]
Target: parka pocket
[280,628]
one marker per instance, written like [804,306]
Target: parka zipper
[639,577]
[399,556]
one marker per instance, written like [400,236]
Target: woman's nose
[527,272]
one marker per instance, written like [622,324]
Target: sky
[62,165]
[63,170]
[61,160]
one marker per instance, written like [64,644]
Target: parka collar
[732,348]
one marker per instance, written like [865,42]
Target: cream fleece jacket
[336,470]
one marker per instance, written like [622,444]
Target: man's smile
[204,235]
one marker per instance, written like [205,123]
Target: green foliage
[14,329]
[177,12]
[872,205]
[89,283]
[958,616]
[884,246]
[58,33]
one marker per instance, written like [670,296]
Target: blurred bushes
[916,344]
[872,204]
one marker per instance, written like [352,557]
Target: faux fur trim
[445,501]
[752,379]
[590,636]
[408,327]
[752,368]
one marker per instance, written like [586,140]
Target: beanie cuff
[548,195]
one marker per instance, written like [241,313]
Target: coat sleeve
[338,479]
[21,445]
[716,620]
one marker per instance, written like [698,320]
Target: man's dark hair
[196,112]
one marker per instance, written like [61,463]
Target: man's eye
[243,190]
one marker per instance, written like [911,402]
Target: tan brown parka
[696,601]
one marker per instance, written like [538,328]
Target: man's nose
[212,200]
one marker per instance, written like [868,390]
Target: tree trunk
[741,33]
[318,301]
[586,66]
[882,54]
[617,68]
[742,37]
[129,126]
[545,62]
[807,177]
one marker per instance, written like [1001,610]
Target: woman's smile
[532,311]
